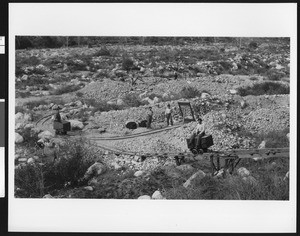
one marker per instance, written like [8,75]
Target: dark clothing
[57,117]
[195,141]
[149,119]
[169,119]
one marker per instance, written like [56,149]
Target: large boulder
[197,176]
[157,195]
[243,172]
[45,135]
[18,138]
[205,96]
[95,170]
[131,125]
[76,124]
[19,116]
[262,145]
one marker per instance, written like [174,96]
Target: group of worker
[197,134]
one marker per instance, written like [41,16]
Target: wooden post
[218,163]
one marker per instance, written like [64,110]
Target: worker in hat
[149,117]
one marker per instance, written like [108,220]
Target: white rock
[288,136]
[243,104]
[243,172]
[287,176]
[157,195]
[76,124]
[30,160]
[29,126]
[24,77]
[48,196]
[250,180]
[27,117]
[144,197]
[205,96]
[262,145]
[138,173]
[185,167]
[198,175]
[45,134]
[120,102]
[18,138]
[233,91]
[94,170]
[22,159]
[19,116]
[116,166]
[19,126]
[89,188]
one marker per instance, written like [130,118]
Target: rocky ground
[234,121]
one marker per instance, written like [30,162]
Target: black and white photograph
[152,118]
[126,114]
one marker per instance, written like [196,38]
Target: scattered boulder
[18,138]
[94,170]
[144,197]
[48,196]
[262,145]
[197,176]
[287,176]
[138,173]
[120,102]
[89,188]
[205,96]
[185,168]
[30,160]
[288,136]
[76,124]
[243,104]
[233,91]
[29,126]
[19,116]
[250,180]
[131,125]
[45,135]
[243,172]
[157,195]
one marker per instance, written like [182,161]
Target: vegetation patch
[265,88]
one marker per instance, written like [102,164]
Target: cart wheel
[194,151]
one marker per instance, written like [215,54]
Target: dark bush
[102,52]
[190,92]
[35,180]
[253,45]
[268,88]
[132,100]
[127,64]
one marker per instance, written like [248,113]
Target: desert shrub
[32,104]
[27,61]
[66,89]
[132,100]
[190,92]
[273,75]
[79,94]
[100,105]
[269,88]
[127,63]
[35,180]
[30,137]
[23,94]
[102,52]
[253,45]
[274,139]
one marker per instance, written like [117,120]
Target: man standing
[168,114]
[149,117]
[197,134]
[57,116]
